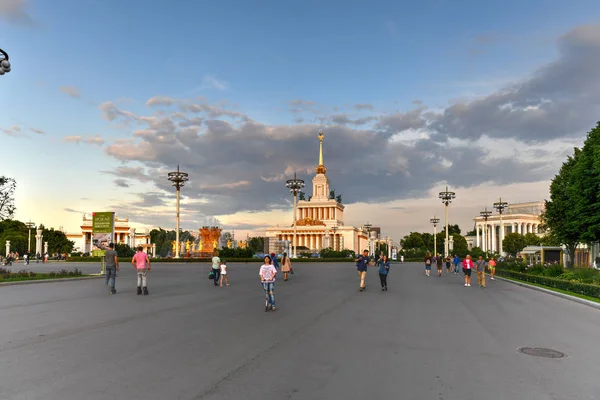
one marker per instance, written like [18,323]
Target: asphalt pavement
[426,338]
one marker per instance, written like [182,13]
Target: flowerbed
[6,275]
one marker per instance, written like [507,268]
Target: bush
[568,285]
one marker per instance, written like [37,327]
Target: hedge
[207,260]
[571,286]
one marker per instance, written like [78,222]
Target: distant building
[123,234]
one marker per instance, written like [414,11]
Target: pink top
[268,272]
[468,264]
[140,260]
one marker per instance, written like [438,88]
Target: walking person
[112,266]
[362,263]
[480,265]
[384,269]
[448,263]
[286,266]
[492,267]
[439,263]
[467,267]
[428,261]
[223,270]
[267,275]
[456,262]
[275,260]
[141,263]
[216,268]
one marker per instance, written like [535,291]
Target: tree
[513,243]
[124,250]
[413,241]
[7,197]
[563,212]
[256,244]
[452,229]
[461,248]
[57,241]
[531,239]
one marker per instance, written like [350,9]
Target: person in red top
[492,267]
[141,263]
[467,267]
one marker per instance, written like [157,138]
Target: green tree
[452,229]
[413,241]
[124,250]
[256,244]
[57,241]
[7,197]
[513,243]
[563,216]
[549,240]
[531,239]
[460,247]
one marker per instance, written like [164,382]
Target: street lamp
[485,214]
[501,206]
[295,185]
[368,226]
[4,63]
[446,198]
[178,178]
[434,221]
[29,225]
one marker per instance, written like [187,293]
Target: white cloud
[212,82]
[72,91]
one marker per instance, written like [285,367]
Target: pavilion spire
[321,167]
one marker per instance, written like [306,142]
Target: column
[521,228]
[529,228]
[493,227]
[7,247]
[477,226]
[45,247]
[484,237]
[153,249]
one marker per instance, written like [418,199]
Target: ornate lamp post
[178,178]
[447,198]
[485,214]
[295,185]
[368,226]
[501,206]
[4,63]
[434,221]
[29,225]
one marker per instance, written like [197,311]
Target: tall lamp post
[368,228]
[501,206]
[447,198]
[178,178]
[29,225]
[4,63]
[485,214]
[334,229]
[295,185]
[434,221]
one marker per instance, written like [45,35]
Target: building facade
[521,218]
[319,220]
[124,234]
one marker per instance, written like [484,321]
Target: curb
[82,278]
[552,292]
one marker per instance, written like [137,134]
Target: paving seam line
[82,278]
[552,292]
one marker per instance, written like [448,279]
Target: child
[141,263]
[224,274]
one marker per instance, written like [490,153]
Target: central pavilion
[319,221]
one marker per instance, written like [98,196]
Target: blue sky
[69,57]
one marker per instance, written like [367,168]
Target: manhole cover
[541,352]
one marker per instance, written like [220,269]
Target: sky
[106,97]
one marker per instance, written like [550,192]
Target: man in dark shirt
[112,266]
[362,263]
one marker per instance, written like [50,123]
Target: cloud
[71,91]
[14,131]
[212,82]
[161,101]
[237,165]
[13,11]
[361,107]
[121,183]
[70,210]
[137,173]
[95,140]
[38,131]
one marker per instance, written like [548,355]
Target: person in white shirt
[224,274]
[267,278]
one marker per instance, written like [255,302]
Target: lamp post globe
[4,63]
[178,180]
[368,227]
[486,215]
[500,206]
[447,197]
[295,186]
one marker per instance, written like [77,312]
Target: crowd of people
[468,265]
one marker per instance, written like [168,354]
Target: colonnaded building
[521,218]
[319,221]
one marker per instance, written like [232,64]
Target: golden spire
[321,168]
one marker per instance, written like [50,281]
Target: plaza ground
[426,338]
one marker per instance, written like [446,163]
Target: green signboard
[102,222]
[98,253]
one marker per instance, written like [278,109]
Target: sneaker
[469,284]
[145,291]
[386,288]
[113,290]
[139,290]
[493,279]
[273,308]
[383,289]
[466,284]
